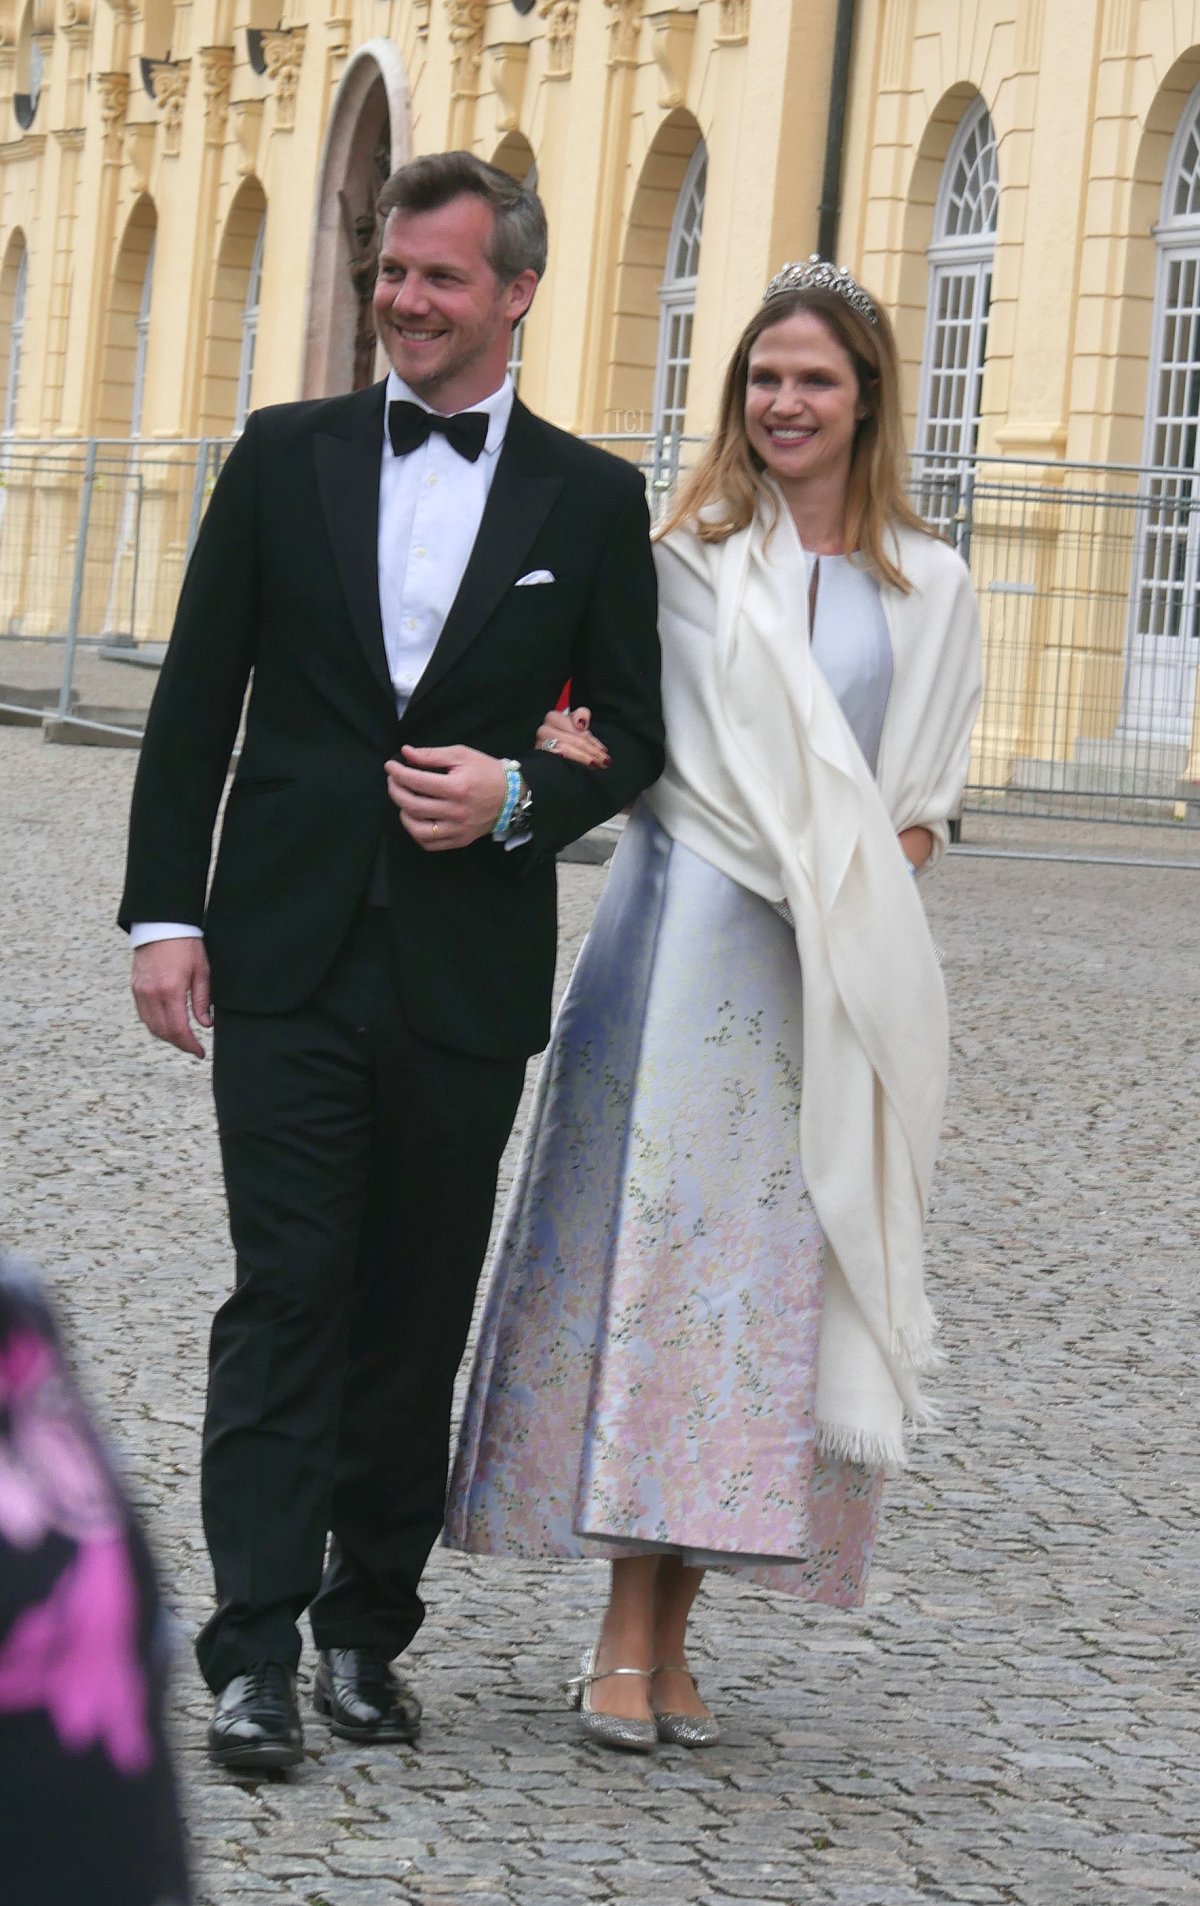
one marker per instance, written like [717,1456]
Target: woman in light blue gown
[680,1360]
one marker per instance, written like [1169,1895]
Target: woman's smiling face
[803,403]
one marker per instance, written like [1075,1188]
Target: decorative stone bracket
[508,61]
[247,131]
[672,36]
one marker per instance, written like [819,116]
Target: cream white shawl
[765,781]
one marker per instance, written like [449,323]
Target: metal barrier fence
[1088,578]
[94,540]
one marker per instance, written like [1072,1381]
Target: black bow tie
[409,427]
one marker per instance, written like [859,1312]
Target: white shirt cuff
[518,840]
[143,931]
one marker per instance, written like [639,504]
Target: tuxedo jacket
[282,593]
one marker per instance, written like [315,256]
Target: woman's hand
[916,844]
[567,731]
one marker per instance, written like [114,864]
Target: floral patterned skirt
[647,1359]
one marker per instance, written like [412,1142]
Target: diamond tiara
[817,274]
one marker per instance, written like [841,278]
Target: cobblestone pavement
[1013,1717]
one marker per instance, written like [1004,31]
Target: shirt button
[432,482]
[411,622]
[418,552]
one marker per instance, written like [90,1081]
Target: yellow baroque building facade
[185,194]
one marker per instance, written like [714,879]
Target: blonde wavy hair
[720,495]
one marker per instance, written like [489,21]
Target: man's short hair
[519,238]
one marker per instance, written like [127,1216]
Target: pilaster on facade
[168,89]
[623,29]
[1118,20]
[339,32]
[283,54]
[216,76]
[560,17]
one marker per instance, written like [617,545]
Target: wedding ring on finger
[550,744]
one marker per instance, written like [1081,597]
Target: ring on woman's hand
[437,827]
[550,744]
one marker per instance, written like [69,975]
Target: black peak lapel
[347,464]
[524,490]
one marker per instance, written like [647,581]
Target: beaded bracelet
[512,794]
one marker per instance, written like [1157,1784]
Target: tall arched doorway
[368,135]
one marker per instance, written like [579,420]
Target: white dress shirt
[430,507]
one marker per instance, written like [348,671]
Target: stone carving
[113,91]
[168,89]
[623,31]
[283,52]
[466,41]
[216,75]
[560,16]
[734,22]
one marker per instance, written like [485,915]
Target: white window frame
[250,310]
[946,442]
[1158,701]
[16,341]
[677,309]
[516,343]
[142,334]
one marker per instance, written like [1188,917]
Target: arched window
[16,274]
[677,307]
[245,381]
[960,293]
[1165,622]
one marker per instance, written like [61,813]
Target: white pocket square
[534,576]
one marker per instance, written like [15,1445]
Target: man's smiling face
[445,318]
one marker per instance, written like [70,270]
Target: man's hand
[167,976]
[447,797]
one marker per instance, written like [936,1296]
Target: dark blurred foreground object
[88,1812]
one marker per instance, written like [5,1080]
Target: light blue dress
[646,1367]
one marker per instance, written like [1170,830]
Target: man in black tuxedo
[407,588]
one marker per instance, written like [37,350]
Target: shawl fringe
[913,1345]
[875,1449]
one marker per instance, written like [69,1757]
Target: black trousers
[360,1166]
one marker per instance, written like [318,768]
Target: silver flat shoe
[610,1730]
[686,1730]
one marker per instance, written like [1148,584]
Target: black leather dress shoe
[356,1689]
[257,1723]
